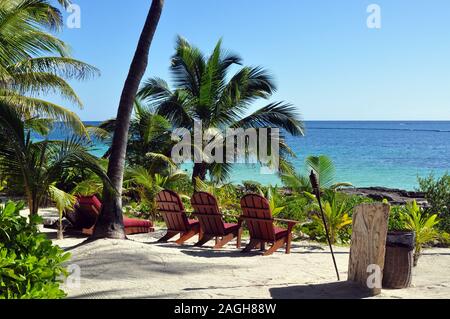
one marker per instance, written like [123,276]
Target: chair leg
[204,240]
[262,246]
[288,243]
[239,238]
[186,236]
[168,236]
[225,240]
[253,243]
[277,245]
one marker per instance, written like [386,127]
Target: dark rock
[393,196]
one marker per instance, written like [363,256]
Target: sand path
[141,268]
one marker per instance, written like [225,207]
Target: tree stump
[368,248]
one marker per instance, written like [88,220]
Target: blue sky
[324,58]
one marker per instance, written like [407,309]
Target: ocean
[379,153]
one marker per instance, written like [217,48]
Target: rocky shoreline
[394,196]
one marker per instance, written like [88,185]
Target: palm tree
[149,143]
[110,222]
[63,202]
[203,91]
[35,167]
[323,167]
[35,62]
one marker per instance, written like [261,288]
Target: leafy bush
[396,219]
[422,224]
[252,186]
[437,193]
[295,207]
[30,266]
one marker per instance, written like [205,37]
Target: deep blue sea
[390,154]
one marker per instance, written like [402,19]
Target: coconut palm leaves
[34,62]
[149,143]
[205,91]
[36,166]
[325,170]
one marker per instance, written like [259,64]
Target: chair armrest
[291,223]
[288,221]
[255,219]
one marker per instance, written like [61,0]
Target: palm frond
[279,115]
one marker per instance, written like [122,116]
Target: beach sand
[141,268]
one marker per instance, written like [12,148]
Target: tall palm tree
[110,222]
[204,91]
[34,62]
[35,167]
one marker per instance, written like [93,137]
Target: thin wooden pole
[316,188]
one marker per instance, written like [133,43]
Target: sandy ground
[141,268]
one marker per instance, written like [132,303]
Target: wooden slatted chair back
[208,213]
[257,215]
[171,207]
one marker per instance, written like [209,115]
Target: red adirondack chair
[211,222]
[172,210]
[258,218]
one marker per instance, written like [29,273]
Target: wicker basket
[399,260]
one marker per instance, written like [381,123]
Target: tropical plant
[34,62]
[337,215]
[337,218]
[228,197]
[36,166]
[425,226]
[325,170]
[63,202]
[437,194]
[148,185]
[149,143]
[205,91]
[274,199]
[396,219]
[252,186]
[30,266]
[110,221]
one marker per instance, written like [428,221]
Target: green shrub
[338,209]
[252,186]
[424,225]
[396,219]
[295,207]
[437,193]
[30,266]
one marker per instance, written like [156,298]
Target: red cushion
[132,222]
[90,201]
[280,232]
[230,227]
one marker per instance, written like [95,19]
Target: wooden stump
[367,253]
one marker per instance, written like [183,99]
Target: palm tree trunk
[199,172]
[110,222]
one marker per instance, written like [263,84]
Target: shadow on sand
[335,290]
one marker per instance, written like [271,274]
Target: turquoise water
[390,154]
